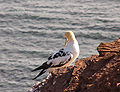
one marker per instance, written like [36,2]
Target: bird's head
[69,35]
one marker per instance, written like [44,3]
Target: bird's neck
[70,44]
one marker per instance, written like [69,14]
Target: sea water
[32,29]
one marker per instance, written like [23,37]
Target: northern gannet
[62,58]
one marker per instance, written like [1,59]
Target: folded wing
[57,59]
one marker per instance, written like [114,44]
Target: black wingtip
[43,71]
[32,70]
[33,78]
[38,68]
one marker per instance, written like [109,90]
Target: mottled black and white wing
[57,59]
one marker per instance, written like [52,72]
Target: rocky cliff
[98,73]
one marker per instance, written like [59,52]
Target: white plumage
[63,57]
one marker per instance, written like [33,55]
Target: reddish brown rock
[98,73]
[113,47]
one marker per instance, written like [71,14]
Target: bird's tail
[44,67]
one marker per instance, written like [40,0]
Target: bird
[63,57]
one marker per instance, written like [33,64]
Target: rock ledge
[98,73]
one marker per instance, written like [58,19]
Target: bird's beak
[66,42]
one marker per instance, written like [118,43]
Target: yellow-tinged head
[69,35]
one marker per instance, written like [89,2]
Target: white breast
[73,47]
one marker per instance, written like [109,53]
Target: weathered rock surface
[98,73]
